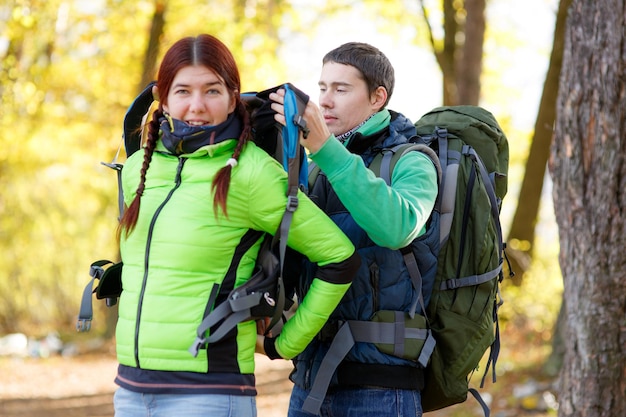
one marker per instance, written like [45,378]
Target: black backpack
[263,295]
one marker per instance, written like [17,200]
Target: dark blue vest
[382,282]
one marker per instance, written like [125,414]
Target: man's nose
[325,100]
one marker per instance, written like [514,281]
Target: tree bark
[460,58]
[470,64]
[589,174]
[446,57]
[152,51]
[522,233]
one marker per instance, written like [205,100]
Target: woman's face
[199,97]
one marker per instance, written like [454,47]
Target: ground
[82,386]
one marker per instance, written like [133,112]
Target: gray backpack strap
[120,191]
[353,331]
[389,159]
[416,279]
[339,348]
[85,314]
[314,172]
[393,333]
[232,310]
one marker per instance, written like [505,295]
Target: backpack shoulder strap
[385,161]
[314,172]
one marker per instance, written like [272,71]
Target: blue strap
[291,139]
[480,401]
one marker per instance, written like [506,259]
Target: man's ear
[379,98]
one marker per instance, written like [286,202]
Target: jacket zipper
[177,182]
[375,283]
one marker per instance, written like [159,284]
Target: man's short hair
[373,65]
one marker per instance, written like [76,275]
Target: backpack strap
[259,296]
[232,311]
[314,172]
[352,331]
[120,191]
[384,162]
[97,272]
[480,400]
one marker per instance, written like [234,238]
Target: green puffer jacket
[179,249]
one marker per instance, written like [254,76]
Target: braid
[221,182]
[129,220]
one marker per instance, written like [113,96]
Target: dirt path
[83,387]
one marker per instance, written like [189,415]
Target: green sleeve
[311,233]
[391,216]
[317,237]
[310,316]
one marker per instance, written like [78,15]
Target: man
[346,132]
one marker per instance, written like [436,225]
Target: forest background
[71,68]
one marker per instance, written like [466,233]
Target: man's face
[344,99]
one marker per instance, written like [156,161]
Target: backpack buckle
[83,325]
[292,203]
[96,271]
[441,132]
[269,300]
[299,121]
[198,344]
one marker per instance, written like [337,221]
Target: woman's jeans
[361,402]
[133,404]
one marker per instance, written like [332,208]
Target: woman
[199,198]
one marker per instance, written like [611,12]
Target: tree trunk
[470,64]
[152,51]
[589,173]
[522,234]
[446,57]
[460,59]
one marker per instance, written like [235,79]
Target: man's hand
[318,131]
[259,348]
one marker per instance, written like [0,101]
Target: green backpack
[473,154]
